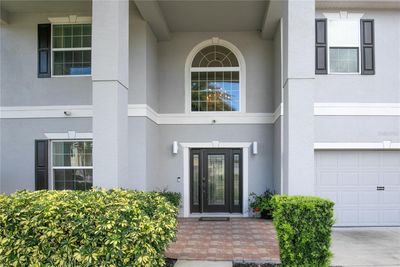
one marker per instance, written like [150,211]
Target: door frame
[245,146]
[203,206]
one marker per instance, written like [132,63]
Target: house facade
[212,99]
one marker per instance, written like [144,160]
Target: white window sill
[68,76]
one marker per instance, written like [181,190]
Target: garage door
[365,186]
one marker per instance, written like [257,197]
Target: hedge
[303,227]
[92,228]
[173,197]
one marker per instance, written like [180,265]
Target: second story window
[215,80]
[71,48]
[344,45]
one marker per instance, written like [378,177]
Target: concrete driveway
[366,246]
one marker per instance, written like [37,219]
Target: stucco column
[110,54]
[298,97]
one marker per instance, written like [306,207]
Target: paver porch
[240,239]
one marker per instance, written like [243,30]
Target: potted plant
[262,204]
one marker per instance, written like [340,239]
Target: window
[215,77]
[71,47]
[344,45]
[72,167]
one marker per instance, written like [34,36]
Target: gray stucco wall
[19,84]
[379,88]
[171,166]
[357,128]
[17,142]
[277,150]
[143,83]
[257,53]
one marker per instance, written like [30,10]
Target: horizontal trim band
[143,110]
[357,146]
[140,110]
[357,109]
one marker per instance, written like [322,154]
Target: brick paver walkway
[239,239]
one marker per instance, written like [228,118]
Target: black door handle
[380,188]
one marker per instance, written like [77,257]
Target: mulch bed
[170,262]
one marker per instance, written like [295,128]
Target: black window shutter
[44,50]
[321,47]
[367,47]
[41,165]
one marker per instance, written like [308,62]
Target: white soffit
[213,15]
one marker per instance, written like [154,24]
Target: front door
[216,180]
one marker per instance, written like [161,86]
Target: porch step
[193,263]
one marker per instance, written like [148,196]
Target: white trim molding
[242,71]
[68,135]
[71,19]
[278,112]
[245,146]
[357,109]
[138,110]
[385,145]
[21,112]
[143,110]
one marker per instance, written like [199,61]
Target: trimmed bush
[173,197]
[303,225]
[92,228]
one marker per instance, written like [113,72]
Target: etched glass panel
[216,180]
[236,179]
[196,178]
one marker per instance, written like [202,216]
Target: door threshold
[216,214]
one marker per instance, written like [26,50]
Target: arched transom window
[215,80]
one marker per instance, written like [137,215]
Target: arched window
[215,80]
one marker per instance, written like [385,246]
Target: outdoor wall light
[175,147]
[255,148]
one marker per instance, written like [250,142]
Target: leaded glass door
[216,180]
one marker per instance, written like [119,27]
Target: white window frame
[52,50]
[52,167]
[344,16]
[188,76]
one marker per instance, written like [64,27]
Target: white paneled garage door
[365,186]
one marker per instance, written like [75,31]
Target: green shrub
[173,197]
[303,227]
[92,228]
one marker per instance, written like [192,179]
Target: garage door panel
[368,159]
[368,198]
[328,178]
[391,197]
[349,198]
[329,195]
[346,217]
[328,161]
[347,160]
[369,216]
[390,159]
[369,178]
[391,178]
[351,178]
[390,217]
